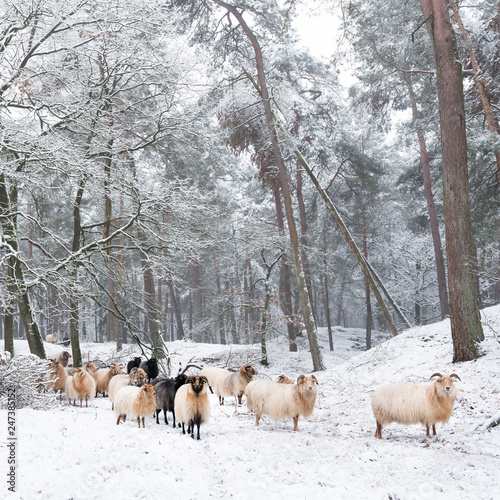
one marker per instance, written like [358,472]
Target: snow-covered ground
[73,453]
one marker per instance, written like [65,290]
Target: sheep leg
[165,415]
[221,401]
[235,404]
[139,422]
[118,419]
[257,418]
[198,433]
[434,429]
[240,397]
[81,403]
[296,423]
[87,401]
[427,431]
[183,430]
[157,411]
[378,432]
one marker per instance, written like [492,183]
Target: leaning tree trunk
[466,328]
[285,275]
[431,207]
[310,325]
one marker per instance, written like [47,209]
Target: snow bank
[335,454]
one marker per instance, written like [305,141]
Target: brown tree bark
[431,207]
[466,328]
[285,277]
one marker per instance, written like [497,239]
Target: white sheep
[136,377]
[104,375]
[426,403]
[71,394]
[135,402]
[281,401]
[51,338]
[226,383]
[191,404]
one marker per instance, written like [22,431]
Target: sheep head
[444,384]
[115,370]
[137,377]
[148,390]
[283,379]
[247,371]
[197,383]
[307,383]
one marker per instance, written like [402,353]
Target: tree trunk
[316,355]
[73,272]
[466,328]
[431,207]
[16,285]
[303,223]
[220,300]
[176,310]
[196,297]
[347,235]
[369,321]
[285,276]
[326,294]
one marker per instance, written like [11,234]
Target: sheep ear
[315,379]
[300,379]
[454,375]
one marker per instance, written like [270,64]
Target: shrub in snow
[26,374]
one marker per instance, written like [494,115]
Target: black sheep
[133,364]
[151,368]
[165,395]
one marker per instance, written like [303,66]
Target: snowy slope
[82,454]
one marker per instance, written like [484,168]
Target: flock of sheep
[142,392]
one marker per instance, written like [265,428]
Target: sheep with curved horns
[226,383]
[135,402]
[426,403]
[191,404]
[281,401]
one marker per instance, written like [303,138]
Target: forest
[192,169]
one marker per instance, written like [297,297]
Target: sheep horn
[315,379]
[454,375]
[436,375]
[300,379]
